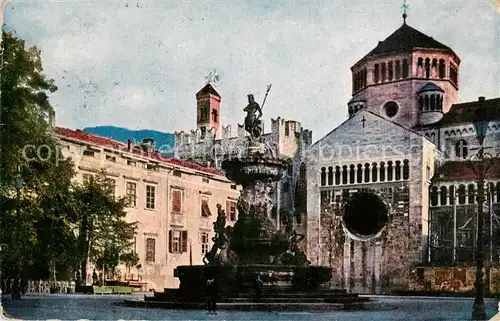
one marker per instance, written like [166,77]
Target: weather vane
[405,7]
[213,77]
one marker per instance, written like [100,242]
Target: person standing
[258,288]
[212,293]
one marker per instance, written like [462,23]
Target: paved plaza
[74,307]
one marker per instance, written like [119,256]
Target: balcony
[177,219]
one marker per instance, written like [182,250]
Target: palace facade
[174,201]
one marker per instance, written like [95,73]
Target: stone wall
[452,279]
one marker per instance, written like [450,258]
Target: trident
[267,92]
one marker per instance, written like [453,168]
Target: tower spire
[405,7]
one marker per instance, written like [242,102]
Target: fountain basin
[246,171]
[239,280]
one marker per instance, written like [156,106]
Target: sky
[139,64]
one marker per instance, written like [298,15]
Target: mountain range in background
[164,142]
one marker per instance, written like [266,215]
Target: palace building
[174,201]
[407,139]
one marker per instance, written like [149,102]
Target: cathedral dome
[356,104]
[430,102]
[405,39]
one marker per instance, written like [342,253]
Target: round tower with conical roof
[409,78]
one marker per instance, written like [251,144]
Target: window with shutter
[205,209]
[175,241]
[176,201]
[184,241]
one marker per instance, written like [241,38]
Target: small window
[131,193]
[204,242]
[150,196]
[391,108]
[88,153]
[131,163]
[434,196]
[150,250]
[205,180]
[233,186]
[110,158]
[177,173]
[461,194]
[152,167]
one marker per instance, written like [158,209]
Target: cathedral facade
[407,140]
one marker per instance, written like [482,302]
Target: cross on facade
[363,120]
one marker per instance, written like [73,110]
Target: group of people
[212,292]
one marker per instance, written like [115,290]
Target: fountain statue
[253,246]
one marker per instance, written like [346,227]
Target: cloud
[140,67]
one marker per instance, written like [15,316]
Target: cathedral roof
[430,86]
[405,39]
[208,89]
[466,112]
[461,171]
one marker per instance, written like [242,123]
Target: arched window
[344,174]
[389,171]
[426,104]
[391,71]
[433,102]
[421,103]
[406,169]
[330,175]
[442,68]
[443,195]
[452,194]
[427,68]
[461,194]
[461,150]
[365,77]
[350,109]
[302,172]
[453,74]
[420,62]
[323,176]
[351,174]
[434,196]
[359,178]
[382,171]
[383,72]
[367,173]
[406,69]
[376,74]
[337,175]
[374,172]
[398,171]
[398,69]
[470,195]
[434,63]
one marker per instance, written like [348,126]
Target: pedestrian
[212,293]
[258,288]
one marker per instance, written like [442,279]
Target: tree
[104,234]
[29,152]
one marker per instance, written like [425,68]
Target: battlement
[194,136]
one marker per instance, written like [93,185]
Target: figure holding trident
[253,124]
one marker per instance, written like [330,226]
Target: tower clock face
[391,109]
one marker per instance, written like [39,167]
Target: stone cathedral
[406,140]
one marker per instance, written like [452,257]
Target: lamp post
[481,127]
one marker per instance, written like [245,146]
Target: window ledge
[150,209]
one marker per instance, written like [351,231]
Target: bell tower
[208,111]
